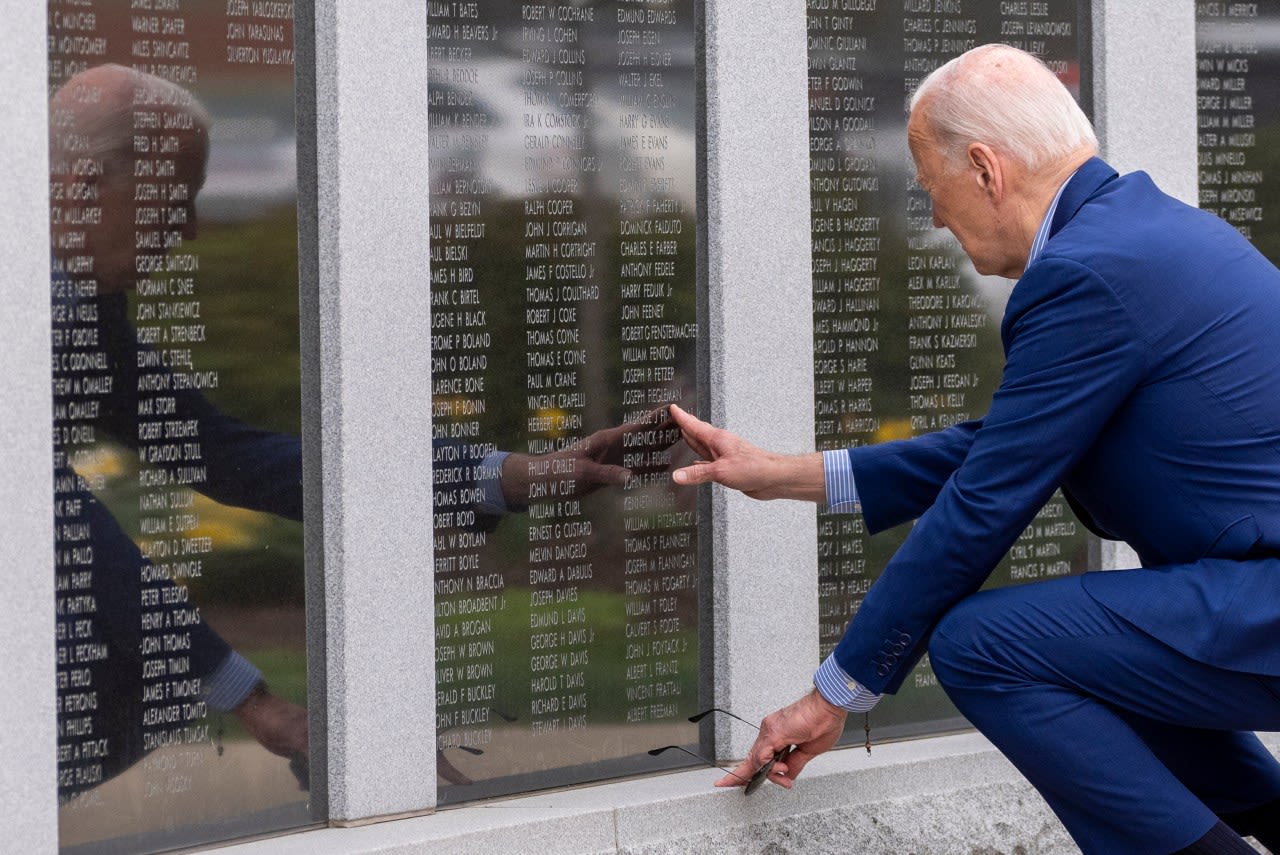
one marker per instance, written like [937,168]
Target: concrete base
[946,794]
[950,795]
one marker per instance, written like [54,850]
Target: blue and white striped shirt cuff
[837,474]
[230,683]
[841,690]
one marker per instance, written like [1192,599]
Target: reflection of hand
[278,725]
[810,724]
[606,458]
[730,460]
[451,773]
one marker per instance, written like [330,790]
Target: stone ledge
[937,796]
[920,796]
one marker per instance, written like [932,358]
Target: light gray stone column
[375,429]
[761,350]
[28,775]
[1144,66]
[1144,56]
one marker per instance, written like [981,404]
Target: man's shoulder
[1128,218]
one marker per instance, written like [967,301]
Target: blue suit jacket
[1142,371]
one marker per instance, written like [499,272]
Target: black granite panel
[906,334]
[563,273]
[177,462]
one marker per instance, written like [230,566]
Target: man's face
[145,217]
[960,202]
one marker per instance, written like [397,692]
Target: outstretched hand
[810,724]
[607,458]
[730,460]
[278,725]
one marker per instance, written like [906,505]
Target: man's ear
[987,171]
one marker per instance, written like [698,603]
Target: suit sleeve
[1073,354]
[243,466]
[898,481]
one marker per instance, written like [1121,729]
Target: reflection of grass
[285,672]
[117,469]
[226,527]
[109,464]
[248,294]
[891,429]
[249,302]
[604,672]
[247,291]
[268,572]
[256,557]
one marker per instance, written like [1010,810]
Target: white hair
[1005,98]
[92,116]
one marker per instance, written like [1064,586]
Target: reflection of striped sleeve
[488,479]
[230,683]
[841,690]
[476,471]
[842,493]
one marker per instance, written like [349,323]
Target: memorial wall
[563,165]
[177,465]
[1238,117]
[570,576]
[906,333]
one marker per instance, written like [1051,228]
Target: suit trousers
[1135,746]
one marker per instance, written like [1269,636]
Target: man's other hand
[278,725]
[810,724]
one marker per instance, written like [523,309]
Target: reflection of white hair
[92,116]
[1005,98]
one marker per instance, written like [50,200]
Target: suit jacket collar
[1091,175]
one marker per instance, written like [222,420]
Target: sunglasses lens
[758,778]
[763,772]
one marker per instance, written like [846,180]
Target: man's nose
[937,223]
[190,229]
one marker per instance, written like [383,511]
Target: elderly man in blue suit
[1140,377]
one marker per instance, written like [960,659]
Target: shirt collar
[1042,233]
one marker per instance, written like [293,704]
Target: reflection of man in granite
[98,259]
[98,255]
[1140,378]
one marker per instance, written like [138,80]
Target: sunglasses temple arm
[700,716]
[655,752]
